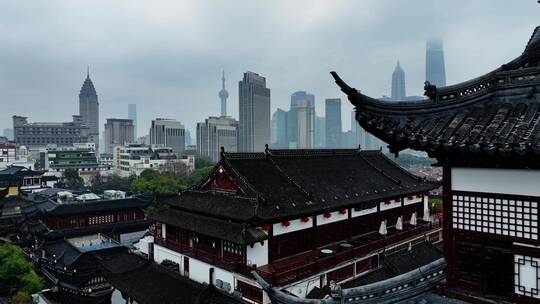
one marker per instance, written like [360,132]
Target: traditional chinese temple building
[485,133]
[300,218]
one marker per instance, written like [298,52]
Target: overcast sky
[167,56]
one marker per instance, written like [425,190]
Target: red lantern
[410,198]
[342,211]
[387,202]
[266,227]
[327,214]
[398,200]
[285,223]
[305,219]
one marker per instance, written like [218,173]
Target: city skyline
[160,75]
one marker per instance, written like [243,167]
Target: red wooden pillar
[448,234]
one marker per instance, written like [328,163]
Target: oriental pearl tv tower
[223,95]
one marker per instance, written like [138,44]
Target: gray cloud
[167,56]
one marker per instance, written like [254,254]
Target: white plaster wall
[294,225]
[162,253]
[198,271]
[509,181]
[335,217]
[363,212]
[393,204]
[257,255]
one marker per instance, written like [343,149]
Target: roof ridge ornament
[345,88]
[430,90]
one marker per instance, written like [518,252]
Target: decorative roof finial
[222,152]
[88,71]
[266,149]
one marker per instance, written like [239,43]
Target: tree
[71,180]
[198,175]
[99,183]
[149,174]
[201,162]
[174,168]
[17,271]
[150,182]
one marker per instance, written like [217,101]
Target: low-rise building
[132,159]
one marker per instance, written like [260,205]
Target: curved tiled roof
[285,184]
[495,114]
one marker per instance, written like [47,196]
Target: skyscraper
[279,129]
[254,113]
[168,132]
[223,95]
[435,70]
[320,132]
[398,83]
[118,132]
[89,109]
[214,133]
[305,124]
[333,122]
[292,123]
[132,114]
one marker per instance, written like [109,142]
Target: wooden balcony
[213,258]
[303,265]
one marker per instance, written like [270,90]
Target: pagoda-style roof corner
[496,114]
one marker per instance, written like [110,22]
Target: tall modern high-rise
[305,125]
[279,129]
[223,95]
[435,70]
[132,114]
[214,133]
[89,109]
[398,83]
[320,132]
[118,132]
[333,122]
[168,132]
[254,113]
[292,123]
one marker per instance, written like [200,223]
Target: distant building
[132,114]
[305,113]
[320,132]
[40,134]
[308,102]
[398,83]
[8,153]
[333,122]
[435,70]
[254,113]
[132,159]
[169,133]
[8,133]
[118,131]
[89,109]
[223,95]
[80,158]
[214,133]
[279,129]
